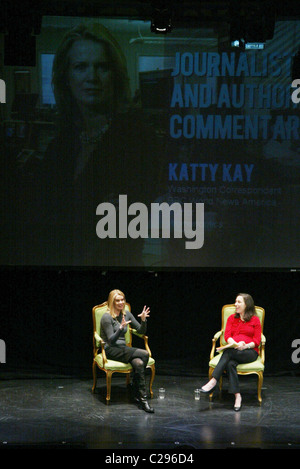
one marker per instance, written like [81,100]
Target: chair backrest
[97,313]
[227,310]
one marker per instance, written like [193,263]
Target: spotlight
[161,21]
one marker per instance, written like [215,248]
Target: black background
[46,318]
[46,314]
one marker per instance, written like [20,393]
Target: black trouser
[229,361]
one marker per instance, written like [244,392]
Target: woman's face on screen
[90,75]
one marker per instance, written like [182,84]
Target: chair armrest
[98,339]
[262,349]
[144,337]
[134,331]
[214,342]
[217,335]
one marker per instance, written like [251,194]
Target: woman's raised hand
[145,313]
[123,322]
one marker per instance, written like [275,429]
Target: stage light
[251,24]
[242,44]
[161,20]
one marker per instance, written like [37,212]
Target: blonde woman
[103,148]
[113,328]
[90,79]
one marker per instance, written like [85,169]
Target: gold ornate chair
[257,367]
[111,366]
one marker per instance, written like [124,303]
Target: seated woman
[244,329]
[113,328]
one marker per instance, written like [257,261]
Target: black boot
[140,394]
[144,404]
[135,388]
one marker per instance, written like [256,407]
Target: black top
[125,161]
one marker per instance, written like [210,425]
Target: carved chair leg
[151,380]
[94,376]
[210,372]
[259,386]
[108,385]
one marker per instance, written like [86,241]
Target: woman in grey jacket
[113,328]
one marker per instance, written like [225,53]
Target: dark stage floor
[61,412]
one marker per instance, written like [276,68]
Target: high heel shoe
[210,390]
[237,408]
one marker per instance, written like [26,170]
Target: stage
[173,178]
[49,411]
[46,398]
